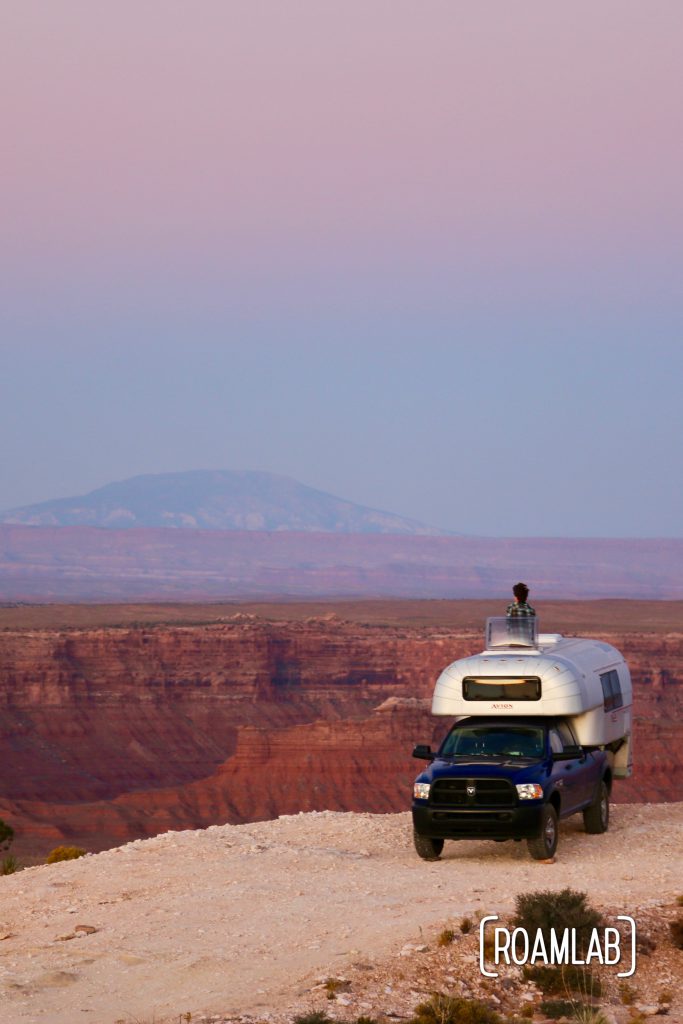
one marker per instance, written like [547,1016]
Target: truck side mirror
[570,754]
[424,752]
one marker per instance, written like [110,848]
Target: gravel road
[240,918]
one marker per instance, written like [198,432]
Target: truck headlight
[421,790]
[529,791]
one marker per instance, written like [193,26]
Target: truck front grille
[472,793]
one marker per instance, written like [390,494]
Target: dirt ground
[249,921]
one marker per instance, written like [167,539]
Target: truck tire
[428,849]
[596,815]
[543,846]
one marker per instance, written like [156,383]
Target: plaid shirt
[520,608]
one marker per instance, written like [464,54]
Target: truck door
[586,774]
[569,774]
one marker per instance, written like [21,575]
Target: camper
[542,729]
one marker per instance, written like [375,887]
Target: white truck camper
[523,673]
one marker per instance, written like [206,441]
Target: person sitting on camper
[521,616]
[520,606]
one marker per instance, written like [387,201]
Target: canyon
[120,722]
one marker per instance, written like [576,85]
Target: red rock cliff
[112,734]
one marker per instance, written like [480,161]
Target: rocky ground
[323,911]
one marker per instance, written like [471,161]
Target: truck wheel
[596,815]
[428,849]
[543,846]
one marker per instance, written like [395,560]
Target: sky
[424,256]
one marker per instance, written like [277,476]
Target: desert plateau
[86,563]
[240,775]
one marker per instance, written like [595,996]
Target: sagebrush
[314,1017]
[64,853]
[548,911]
[6,835]
[441,1009]
[562,979]
[676,930]
[556,1008]
[8,865]
[627,993]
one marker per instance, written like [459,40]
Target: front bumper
[520,822]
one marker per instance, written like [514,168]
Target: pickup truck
[508,778]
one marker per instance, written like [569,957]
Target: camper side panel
[563,692]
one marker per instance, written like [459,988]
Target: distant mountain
[215,500]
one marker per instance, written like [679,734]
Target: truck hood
[515,769]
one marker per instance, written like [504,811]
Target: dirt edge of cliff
[246,921]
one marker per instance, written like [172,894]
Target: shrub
[676,930]
[564,979]
[527,1011]
[64,853]
[9,865]
[466,925]
[547,910]
[315,1017]
[645,944]
[442,1009]
[679,901]
[585,1014]
[446,937]
[334,985]
[6,835]
[489,947]
[556,1008]
[627,993]
[666,996]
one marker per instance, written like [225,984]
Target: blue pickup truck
[542,728]
[508,778]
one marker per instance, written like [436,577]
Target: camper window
[611,690]
[504,688]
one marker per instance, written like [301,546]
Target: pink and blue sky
[427,256]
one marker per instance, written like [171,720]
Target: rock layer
[111,734]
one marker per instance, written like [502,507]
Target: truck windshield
[494,741]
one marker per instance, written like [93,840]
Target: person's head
[521,592]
